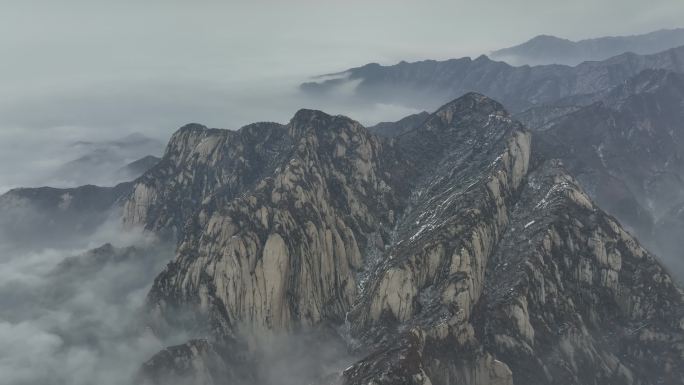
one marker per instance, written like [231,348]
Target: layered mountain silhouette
[58,215]
[107,162]
[546,49]
[427,84]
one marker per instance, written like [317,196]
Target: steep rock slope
[280,255]
[199,162]
[472,160]
[436,255]
[545,49]
[572,298]
[627,151]
[429,83]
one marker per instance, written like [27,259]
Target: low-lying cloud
[39,149]
[71,316]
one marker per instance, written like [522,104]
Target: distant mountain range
[58,214]
[107,162]
[427,84]
[545,49]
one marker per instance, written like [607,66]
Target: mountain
[390,129]
[106,162]
[545,49]
[448,254]
[427,84]
[58,215]
[627,150]
[62,215]
[138,167]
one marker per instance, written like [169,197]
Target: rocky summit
[446,254]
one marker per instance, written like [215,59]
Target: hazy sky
[88,69]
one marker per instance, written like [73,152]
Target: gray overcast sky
[85,69]
[60,48]
[91,40]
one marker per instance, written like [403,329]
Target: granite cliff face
[282,254]
[197,163]
[444,255]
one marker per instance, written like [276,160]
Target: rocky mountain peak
[192,127]
[470,126]
[307,116]
[440,256]
[471,104]
[318,123]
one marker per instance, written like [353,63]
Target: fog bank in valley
[72,316]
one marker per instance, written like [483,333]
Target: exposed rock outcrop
[282,255]
[442,256]
[570,297]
